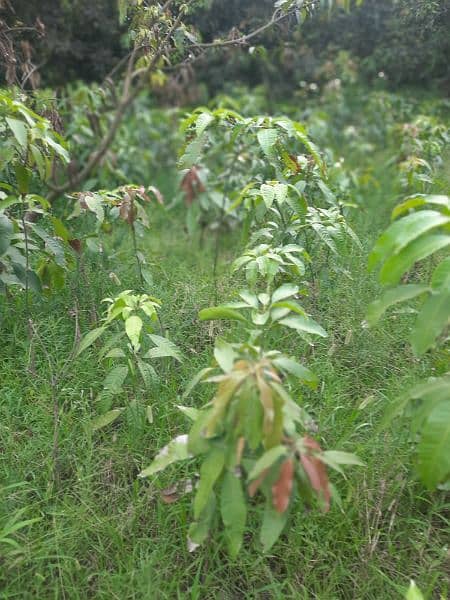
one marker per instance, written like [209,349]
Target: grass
[102,533]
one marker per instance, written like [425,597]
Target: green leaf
[23,176]
[38,160]
[190,412]
[224,354]
[418,201]
[164,347]
[431,321]
[199,530]
[441,276]
[203,374]
[396,295]
[210,471]
[175,451]
[6,231]
[403,232]
[267,139]
[19,130]
[220,312]
[203,121]
[95,205]
[414,592]
[398,264]
[148,373]
[287,290]
[115,379]
[268,194]
[432,389]
[294,368]
[234,512]
[272,526]
[106,419]
[89,339]
[335,458]
[305,324]
[434,447]
[133,329]
[267,460]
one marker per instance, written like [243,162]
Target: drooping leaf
[148,373]
[267,460]
[287,290]
[414,592]
[199,530]
[6,231]
[431,321]
[133,328]
[106,419]
[294,368]
[267,139]
[305,324]
[163,348]
[234,512]
[220,312]
[316,470]
[175,451]
[115,379]
[403,232]
[224,354]
[89,339]
[434,446]
[272,526]
[210,472]
[19,130]
[398,264]
[393,296]
[282,488]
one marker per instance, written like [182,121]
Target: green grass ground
[102,533]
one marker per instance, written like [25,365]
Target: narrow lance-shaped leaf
[106,419]
[403,232]
[434,447]
[233,509]
[176,450]
[399,294]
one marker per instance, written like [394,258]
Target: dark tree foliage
[82,38]
[408,40]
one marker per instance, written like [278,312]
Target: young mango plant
[290,226]
[33,257]
[131,321]
[252,436]
[421,231]
[227,150]
[422,144]
[126,204]
[288,193]
[251,443]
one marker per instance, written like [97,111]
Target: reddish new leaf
[192,185]
[316,471]
[282,488]
[256,483]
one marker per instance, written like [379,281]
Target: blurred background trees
[406,40]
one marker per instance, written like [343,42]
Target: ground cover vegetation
[224,308]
